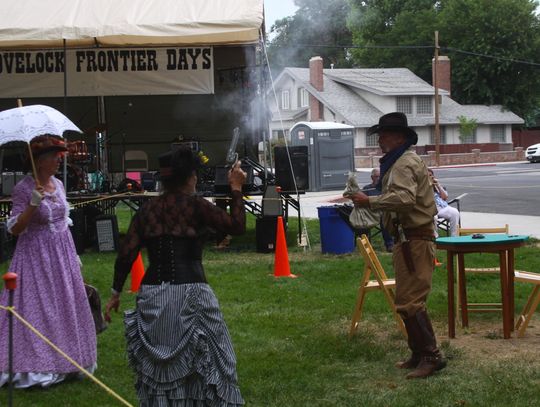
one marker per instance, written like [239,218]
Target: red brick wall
[446,148]
[463,148]
[474,157]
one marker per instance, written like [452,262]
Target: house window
[424,105]
[469,139]
[303,97]
[372,140]
[442,133]
[497,133]
[404,104]
[285,100]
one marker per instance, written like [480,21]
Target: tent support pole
[65,112]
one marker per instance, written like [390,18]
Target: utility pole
[436,86]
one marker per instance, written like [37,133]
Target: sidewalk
[519,225]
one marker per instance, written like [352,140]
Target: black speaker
[78,230]
[91,212]
[265,232]
[7,243]
[284,170]
[107,233]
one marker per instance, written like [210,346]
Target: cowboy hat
[395,121]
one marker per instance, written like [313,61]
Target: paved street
[496,194]
[511,188]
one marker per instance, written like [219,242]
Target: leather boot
[431,358]
[414,359]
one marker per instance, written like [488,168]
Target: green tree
[467,128]
[508,29]
[316,22]
[396,24]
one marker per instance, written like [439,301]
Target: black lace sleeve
[217,218]
[129,249]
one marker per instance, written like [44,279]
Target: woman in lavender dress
[50,292]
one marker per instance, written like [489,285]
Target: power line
[518,61]
[363,46]
[449,49]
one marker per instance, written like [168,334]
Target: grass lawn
[290,335]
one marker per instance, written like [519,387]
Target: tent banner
[107,72]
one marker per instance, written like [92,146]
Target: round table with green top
[502,244]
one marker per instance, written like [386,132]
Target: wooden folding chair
[381,282]
[532,302]
[478,306]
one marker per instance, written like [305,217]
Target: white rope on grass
[69,359]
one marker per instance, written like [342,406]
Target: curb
[459,165]
[442,167]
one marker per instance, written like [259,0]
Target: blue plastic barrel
[336,236]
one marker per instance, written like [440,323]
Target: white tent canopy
[111,23]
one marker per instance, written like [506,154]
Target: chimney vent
[316,73]
[316,80]
[443,73]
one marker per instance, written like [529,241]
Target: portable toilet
[330,152]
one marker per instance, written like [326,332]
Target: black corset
[174,260]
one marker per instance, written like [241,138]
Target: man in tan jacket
[408,207]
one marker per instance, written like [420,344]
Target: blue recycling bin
[336,236]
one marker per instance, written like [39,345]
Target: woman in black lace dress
[177,341]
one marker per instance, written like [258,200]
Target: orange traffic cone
[281,261]
[137,273]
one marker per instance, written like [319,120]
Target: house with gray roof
[358,97]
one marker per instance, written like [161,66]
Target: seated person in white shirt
[444,210]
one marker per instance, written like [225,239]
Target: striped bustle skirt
[180,348]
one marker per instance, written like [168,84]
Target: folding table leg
[462,286]
[505,294]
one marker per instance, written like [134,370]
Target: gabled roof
[494,114]
[340,96]
[384,82]
[337,97]
[293,114]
